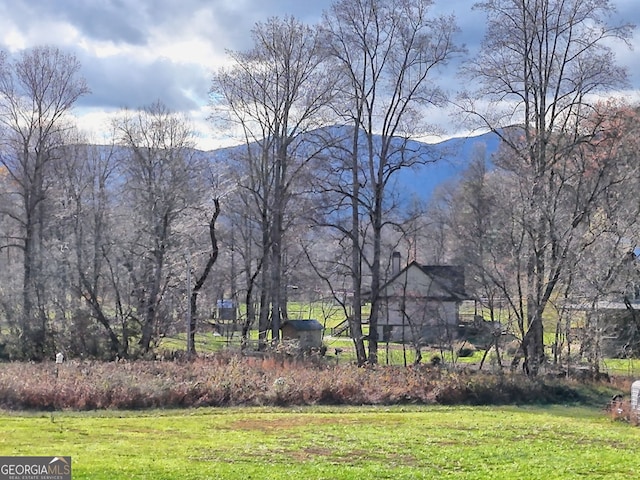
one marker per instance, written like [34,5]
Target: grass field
[332,443]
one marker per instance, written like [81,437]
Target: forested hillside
[440,161]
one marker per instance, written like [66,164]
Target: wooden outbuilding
[614,327]
[308,333]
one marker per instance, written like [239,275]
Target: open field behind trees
[558,442]
[395,354]
[391,354]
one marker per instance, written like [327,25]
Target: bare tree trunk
[275,284]
[376,268]
[213,256]
[355,320]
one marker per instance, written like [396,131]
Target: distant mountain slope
[443,161]
[454,156]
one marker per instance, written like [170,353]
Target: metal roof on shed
[303,325]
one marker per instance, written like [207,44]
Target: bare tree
[160,172]
[202,277]
[37,91]
[387,54]
[605,268]
[539,66]
[483,232]
[84,191]
[486,218]
[275,93]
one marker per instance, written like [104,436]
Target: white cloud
[135,52]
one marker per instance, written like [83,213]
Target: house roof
[303,325]
[603,305]
[448,278]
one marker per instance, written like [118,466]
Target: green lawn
[332,443]
[629,367]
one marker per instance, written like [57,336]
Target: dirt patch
[288,422]
[311,453]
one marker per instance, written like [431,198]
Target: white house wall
[423,321]
[425,318]
[421,312]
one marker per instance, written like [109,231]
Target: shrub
[512,347]
[466,351]
[228,380]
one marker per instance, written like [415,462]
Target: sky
[136,52]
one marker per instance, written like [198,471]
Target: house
[308,333]
[614,325]
[420,304]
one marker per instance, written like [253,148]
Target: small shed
[307,332]
[226,310]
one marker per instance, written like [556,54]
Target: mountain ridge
[442,161]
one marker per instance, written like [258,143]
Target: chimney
[395,263]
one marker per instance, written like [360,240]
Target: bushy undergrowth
[233,380]
[621,410]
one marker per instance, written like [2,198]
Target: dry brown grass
[232,380]
[620,409]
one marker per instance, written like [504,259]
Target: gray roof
[303,325]
[449,277]
[603,305]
